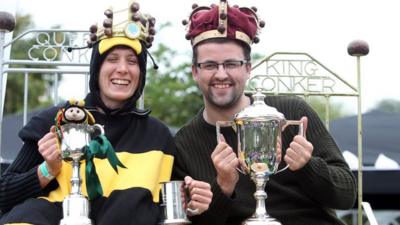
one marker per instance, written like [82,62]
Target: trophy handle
[301,132]
[95,127]
[220,124]
[296,122]
[233,125]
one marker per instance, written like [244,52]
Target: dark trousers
[133,207]
[34,211]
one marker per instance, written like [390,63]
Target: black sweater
[304,197]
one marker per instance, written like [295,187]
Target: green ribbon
[101,148]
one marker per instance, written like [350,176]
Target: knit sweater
[304,197]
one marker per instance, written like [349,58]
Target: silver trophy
[74,141]
[259,128]
[175,198]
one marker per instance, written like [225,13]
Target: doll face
[74,114]
[119,77]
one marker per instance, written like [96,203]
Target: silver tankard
[175,198]
[259,128]
[75,138]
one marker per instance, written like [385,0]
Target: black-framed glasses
[227,65]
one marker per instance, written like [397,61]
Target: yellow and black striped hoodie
[143,144]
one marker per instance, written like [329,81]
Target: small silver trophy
[259,128]
[74,141]
[175,198]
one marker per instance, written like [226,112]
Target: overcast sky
[321,28]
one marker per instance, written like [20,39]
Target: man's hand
[225,162]
[200,196]
[300,150]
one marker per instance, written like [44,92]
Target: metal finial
[358,48]
[258,96]
[7,21]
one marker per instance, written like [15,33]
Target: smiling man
[318,179]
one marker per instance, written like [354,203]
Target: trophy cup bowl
[259,144]
[75,138]
[259,128]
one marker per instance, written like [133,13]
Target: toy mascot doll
[74,112]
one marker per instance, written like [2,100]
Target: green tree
[170,91]
[389,105]
[38,83]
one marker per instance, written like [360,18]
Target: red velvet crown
[223,21]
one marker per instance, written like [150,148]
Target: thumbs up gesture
[300,150]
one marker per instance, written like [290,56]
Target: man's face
[119,77]
[221,87]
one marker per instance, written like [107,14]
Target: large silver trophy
[73,146]
[259,128]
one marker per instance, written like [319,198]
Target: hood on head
[122,27]
[95,64]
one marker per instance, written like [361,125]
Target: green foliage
[389,105]
[170,91]
[38,84]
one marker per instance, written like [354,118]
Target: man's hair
[245,47]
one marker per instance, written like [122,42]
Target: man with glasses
[318,179]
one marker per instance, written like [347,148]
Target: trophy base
[76,221]
[76,210]
[175,222]
[261,221]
